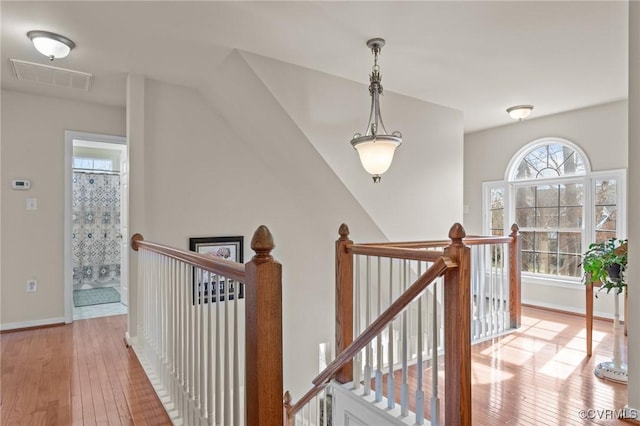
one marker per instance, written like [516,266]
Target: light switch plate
[32,204]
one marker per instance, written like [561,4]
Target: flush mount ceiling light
[376,147]
[51,45]
[519,112]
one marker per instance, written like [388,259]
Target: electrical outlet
[32,286]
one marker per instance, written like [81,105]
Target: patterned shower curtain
[96,229]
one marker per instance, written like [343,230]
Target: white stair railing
[412,340]
[191,334]
[194,330]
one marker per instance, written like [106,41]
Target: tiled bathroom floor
[103,310]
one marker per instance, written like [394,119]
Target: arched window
[548,158]
[559,204]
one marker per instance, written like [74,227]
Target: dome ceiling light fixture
[376,147]
[51,45]
[519,112]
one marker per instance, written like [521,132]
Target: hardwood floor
[538,375]
[82,374]
[541,374]
[79,374]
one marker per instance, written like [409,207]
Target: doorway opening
[96,257]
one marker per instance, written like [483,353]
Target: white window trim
[588,226]
[621,177]
[486,208]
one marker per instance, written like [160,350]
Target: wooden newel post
[344,300]
[457,331]
[263,337]
[515,280]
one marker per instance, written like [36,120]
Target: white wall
[601,131]
[32,241]
[634,205]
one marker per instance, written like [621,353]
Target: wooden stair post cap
[343,231]
[515,228]
[262,241]
[457,232]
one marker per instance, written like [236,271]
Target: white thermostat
[21,184]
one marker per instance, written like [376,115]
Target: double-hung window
[559,205]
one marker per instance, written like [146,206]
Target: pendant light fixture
[51,45]
[376,147]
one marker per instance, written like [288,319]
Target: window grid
[586,207]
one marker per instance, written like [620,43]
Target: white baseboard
[565,308]
[28,324]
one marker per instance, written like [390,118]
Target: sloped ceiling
[477,57]
[420,196]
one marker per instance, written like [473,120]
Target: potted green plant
[604,264]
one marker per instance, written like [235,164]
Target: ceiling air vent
[52,76]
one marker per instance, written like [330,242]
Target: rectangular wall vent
[50,75]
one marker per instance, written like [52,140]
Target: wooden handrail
[222,267]
[470,241]
[396,252]
[440,266]
[292,409]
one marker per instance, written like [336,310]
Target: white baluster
[236,358]
[179,342]
[357,361]
[226,350]
[197,348]
[492,289]
[201,349]
[404,386]
[164,329]
[419,366]
[435,401]
[503,281]
[171,342]
[482,269]
[153,288]
[218,363]
[379,353]
[368,351]
[210,372]
[191,340]
[391,387]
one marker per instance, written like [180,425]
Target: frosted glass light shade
[376,157]
[53,46]
[519,112]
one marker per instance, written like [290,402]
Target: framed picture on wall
[210,287]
